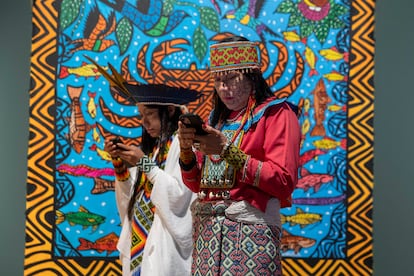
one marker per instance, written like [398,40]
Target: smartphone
[115,141]
[192,120]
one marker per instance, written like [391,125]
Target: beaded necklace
[250,105]
[237,116]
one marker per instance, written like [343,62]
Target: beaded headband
[238,55]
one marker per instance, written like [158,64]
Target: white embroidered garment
[169,243]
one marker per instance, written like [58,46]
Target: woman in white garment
[152,200]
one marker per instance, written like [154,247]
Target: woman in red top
[244,170]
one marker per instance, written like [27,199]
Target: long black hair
[262,90]
[169,125]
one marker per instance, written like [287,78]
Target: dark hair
[168,126]
[262,90]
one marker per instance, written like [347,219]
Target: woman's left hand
[213,142]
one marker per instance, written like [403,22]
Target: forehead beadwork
[229,56]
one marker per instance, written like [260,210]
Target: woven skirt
[226,247]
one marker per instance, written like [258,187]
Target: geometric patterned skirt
[227,247]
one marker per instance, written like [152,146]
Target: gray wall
[394,148]
[15,32]
[394,96]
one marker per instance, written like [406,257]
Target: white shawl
[169,243]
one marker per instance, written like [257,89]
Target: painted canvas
[317,53]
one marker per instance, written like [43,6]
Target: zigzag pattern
[361,133]
[360,153]
[40,179]
[39,259]
[39,251]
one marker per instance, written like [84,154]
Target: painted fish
[107,243]
[333,54]
[91,105]
[335,76]
[291,36]
[95,135]
[85,170]
[102,186]
[103,154]
[305,126]
[328,143]
[83,218]
[311,59]
[306,106]
[77,124]
[295,243]
[314,180]
[85,70]
[301,218]
[335,108]
[320,102]
[310,155]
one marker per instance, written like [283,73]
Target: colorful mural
[317,53]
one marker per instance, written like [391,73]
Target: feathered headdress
[159,94]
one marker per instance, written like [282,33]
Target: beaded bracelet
[234,156]
[121,170]
[186,155]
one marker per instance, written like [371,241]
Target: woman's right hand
[130,154]
[111,148]
[213,142]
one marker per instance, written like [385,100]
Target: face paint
[233,89]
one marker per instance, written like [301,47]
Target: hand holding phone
[191,120]
[115,141]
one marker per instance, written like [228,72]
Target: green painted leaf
[209,18]
[167,6]
[68,13]
[321,32]
[295,19]
[286,7]
[339,10]
[337,23]
[306,30]
[200,43]
[123,34]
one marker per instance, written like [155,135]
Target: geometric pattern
[218,242]
[321,63]
[141,224]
